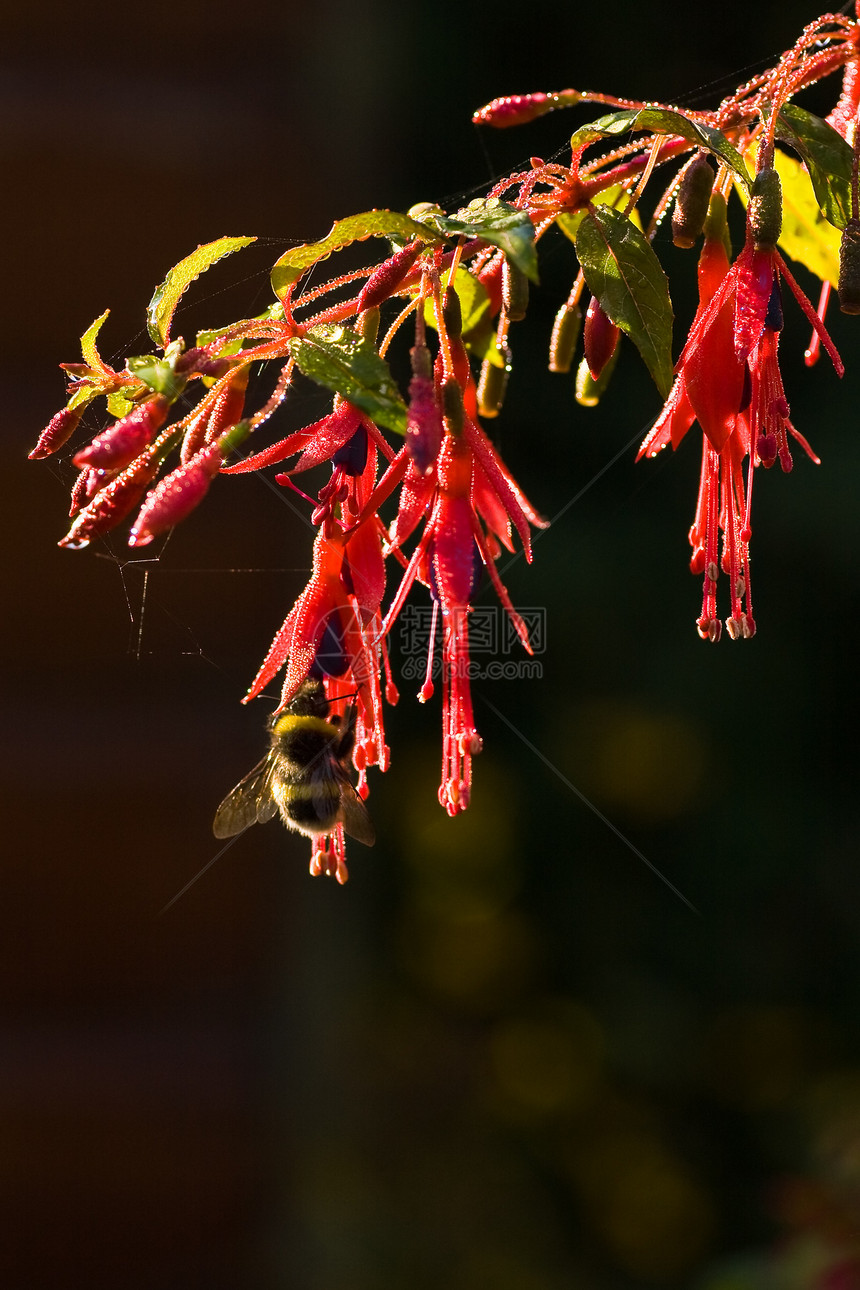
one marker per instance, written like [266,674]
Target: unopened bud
[589,391]
[176,496]
[513,109]
[452,314]
[118,446]
[849,269]
[515,291]
[492,385]
[58,430]
[111,505]
[565,334]
[600,336]
[716,224]
[692,201]
[385,280]
[765,209]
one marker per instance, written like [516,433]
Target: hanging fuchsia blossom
[409,475]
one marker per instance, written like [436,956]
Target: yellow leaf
[168,294]
[88,344]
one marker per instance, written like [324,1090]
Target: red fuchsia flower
[118,446]
[348,439]
[332,634]
[728,379]
[470,484]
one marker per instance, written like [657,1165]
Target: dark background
[506,1055]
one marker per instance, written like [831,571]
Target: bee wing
[248,803]
[353,814]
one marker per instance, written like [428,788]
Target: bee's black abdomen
[309,807]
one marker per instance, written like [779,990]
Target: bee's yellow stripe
[307,792]
[289,722]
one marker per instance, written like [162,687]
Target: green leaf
[806,235]
[622,270]
[663,121]
[118,405]
[570,221]
[159,313]
[355,228]
[828,159]
[347,363]
[157,373]
[498,223]
[82,395]
[88,344]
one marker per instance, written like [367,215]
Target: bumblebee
[303,775]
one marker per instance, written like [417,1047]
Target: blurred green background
[506,1056]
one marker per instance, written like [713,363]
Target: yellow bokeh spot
[655,1219]
[479,965]
[760,1057]
[546,1064]
[466,868]
[651,763]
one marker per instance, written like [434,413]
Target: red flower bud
[600,336]
[226,410]
[385,280]
[56,432]
[112,503]
[89,482]
[518,109]
[126,439]
[176,496]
